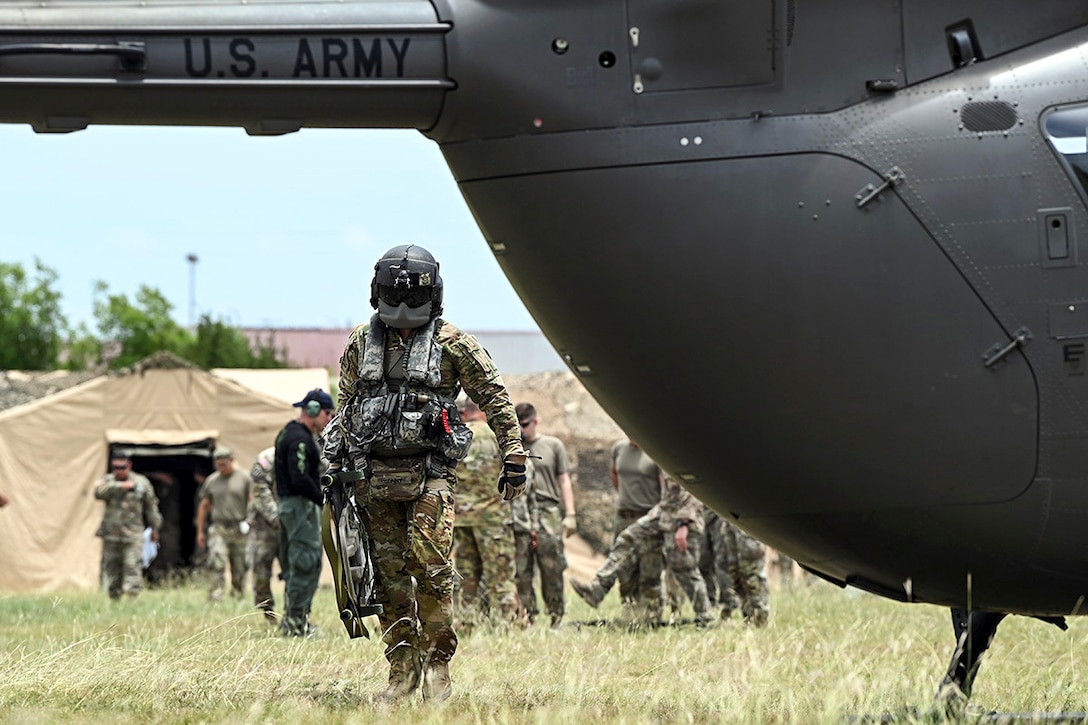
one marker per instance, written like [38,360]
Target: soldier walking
[482,537]
[223,501]
[398,426]
[131,507]
[264,530]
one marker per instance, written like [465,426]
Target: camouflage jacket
[478,500]
[128,511]
[464,364]
[678,504]
[263,510]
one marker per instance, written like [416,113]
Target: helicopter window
[1067,131]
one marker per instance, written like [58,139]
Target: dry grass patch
[171,657]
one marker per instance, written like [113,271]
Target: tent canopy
[52,451]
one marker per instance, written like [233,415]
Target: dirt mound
[18,387]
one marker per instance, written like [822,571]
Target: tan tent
[164,413]
[286,384]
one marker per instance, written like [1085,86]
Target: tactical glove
[512,481]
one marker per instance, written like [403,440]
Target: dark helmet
[407,288]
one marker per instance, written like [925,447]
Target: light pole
[193,259]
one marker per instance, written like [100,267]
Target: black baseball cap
[323,398]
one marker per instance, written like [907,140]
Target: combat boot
[590,592]
[404,669]
[436,681]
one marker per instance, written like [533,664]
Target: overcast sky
[286,229]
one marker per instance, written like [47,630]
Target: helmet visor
[414,296]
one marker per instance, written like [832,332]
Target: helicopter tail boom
[269,68]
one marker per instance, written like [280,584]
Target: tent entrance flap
[176,462]
[160,437]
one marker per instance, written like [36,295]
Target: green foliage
[32,326]
[219,345]
[83,351]
[35,335]
[141,328]
[828,656]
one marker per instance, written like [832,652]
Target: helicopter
[843,236]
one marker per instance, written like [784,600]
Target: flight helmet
[407,288]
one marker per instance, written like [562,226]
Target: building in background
[515,352]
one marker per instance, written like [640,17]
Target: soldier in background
[744,558]
[552,496]
[521,524]
[263,547]
[715,565]
[675,525]
[223,500]
[482,537]
[131,507]
[298,467]
[637,481]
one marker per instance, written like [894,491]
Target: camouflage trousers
[300,556]
[226,543]
[412,540]
[637,587]
[745,560]
[122,567]
[635,547]
[262,549]
[683,566]
[549,557]
[484,557]
[714,565]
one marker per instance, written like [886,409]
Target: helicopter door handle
[994,355]
[869,192]
[133,55]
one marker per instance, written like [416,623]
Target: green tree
[83,351]
[138,329]
[32,326]
[219,345]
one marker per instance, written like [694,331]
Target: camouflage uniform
[638,486]
[264,532]
[521,523]
[483,539]
[657,529]
[546,514]
[227,540]
[128,513]
[412,540]
[715,565]
[746,564]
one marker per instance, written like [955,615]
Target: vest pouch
[399,480]
[364,425]
[455,444]
[413,429]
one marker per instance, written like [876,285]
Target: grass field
[828,654]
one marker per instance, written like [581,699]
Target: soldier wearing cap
[131,506]
[298,470]
[399,427]
[221,523]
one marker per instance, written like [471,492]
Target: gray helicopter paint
[843,274]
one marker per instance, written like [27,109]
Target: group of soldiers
[393,452]
[662,534]
[236,524]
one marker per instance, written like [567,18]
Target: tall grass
[827,655]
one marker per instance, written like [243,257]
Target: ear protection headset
[313,408]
